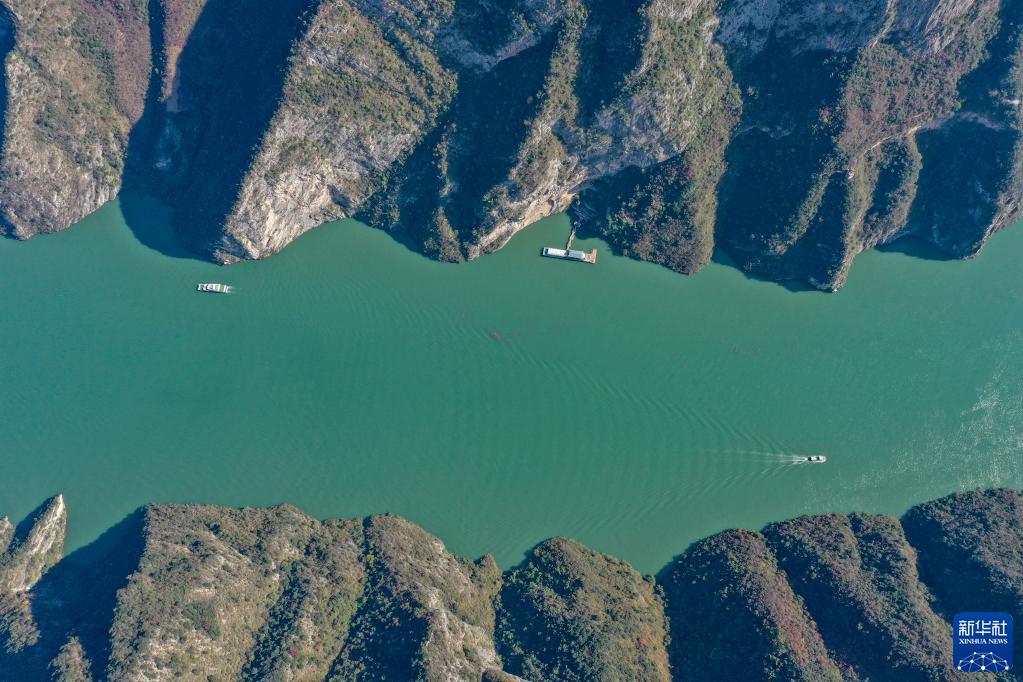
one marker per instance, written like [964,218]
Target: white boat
[214,288]
[816,459]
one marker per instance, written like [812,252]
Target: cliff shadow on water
[151,228]
[76,598]
[916,247]
[721,256]
[217,81]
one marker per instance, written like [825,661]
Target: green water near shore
[503,401]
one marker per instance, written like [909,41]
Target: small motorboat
[816,459]
[214,288]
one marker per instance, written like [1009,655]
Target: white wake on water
[768,456]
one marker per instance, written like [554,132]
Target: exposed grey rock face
[932,23]
[662,123]
[199,592]
[260,594]
[801,26]
[71,81]
[323,156]
[651,115]
[26,560]
[6,534]
[843,25]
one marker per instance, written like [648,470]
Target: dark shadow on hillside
[491,115]
[149,221]
[229,81]
[475,144]
[142,139]
[405,205]
[589,227]
[772,158]
[610,49]
[7,37]
[968,162]
[773,164]
[77,598]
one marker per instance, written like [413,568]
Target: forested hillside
[208,593]
[791,135]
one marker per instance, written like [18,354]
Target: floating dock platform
[571,254]
[568,253]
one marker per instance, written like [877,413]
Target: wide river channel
[503,401]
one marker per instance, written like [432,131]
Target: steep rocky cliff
[75,74]
[26,553]
[898,118]
[792,135]
[200,592]
[26,558]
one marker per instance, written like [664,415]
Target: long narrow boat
[214,288]
[570,254]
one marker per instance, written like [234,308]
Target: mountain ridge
[205,592]
[792,136]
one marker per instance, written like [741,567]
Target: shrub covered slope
[207,593]
[793,135]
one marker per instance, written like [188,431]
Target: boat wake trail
[767,457]
[716,471]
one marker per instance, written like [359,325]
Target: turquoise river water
[503,401]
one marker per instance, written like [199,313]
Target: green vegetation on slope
[200,592]
[726,594]
[75,80]
[789,135]
[857,576]
[565,594]
[970,548]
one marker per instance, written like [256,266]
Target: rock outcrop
[202,592]
[792,135]
[28,557]
[26,554]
